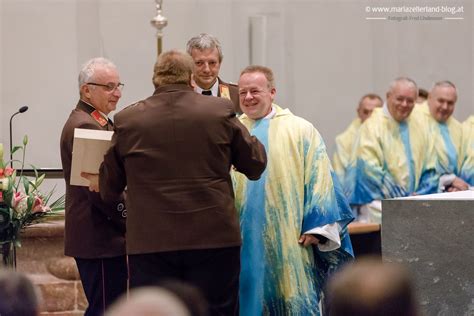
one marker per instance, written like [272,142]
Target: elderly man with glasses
[95,230]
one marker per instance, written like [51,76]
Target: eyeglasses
[110,87]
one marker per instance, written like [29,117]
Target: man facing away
[206,52]
[393,155]
[95,230]
[294,219]
[446,133]
[345,141]
[173,151]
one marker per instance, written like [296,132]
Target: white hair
[89,67]
[404,80]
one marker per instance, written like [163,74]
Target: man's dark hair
[18,296]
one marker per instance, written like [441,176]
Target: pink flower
[17,198]
[38,206]
[1,196]
[8,171]
[19,202]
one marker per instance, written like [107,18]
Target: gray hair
[444,83]
[89,67]
[404,80]
[204,41]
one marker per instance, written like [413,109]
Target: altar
[433,236]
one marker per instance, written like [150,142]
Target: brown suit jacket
[174,151]
[234,94]
[94,229]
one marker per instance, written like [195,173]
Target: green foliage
[21,201]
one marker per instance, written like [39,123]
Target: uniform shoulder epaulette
[224,91]
[99,118]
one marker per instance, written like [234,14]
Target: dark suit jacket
[174,151]
[94,229]
[234,94]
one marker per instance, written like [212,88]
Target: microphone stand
[20,110]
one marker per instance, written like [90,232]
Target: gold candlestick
[159,21]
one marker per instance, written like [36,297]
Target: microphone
[23,109]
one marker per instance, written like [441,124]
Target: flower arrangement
[21,201]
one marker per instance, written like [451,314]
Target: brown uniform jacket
[94,229]
[174,151]
[233,93]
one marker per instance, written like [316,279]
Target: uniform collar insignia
[99,118]
[224,91]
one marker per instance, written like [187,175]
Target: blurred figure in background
[369,287]
[18,295]
[149,301]
[190,295]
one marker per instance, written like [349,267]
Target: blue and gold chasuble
[447,140]
[297,192]
[344,148]
[467,151]
[391,159]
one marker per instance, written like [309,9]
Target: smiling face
[441,102]
[401,100]
[103,100]
[255,94]
[206,66]
[367,106]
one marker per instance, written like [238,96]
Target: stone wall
[41,257]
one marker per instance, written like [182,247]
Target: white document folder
[88,152]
